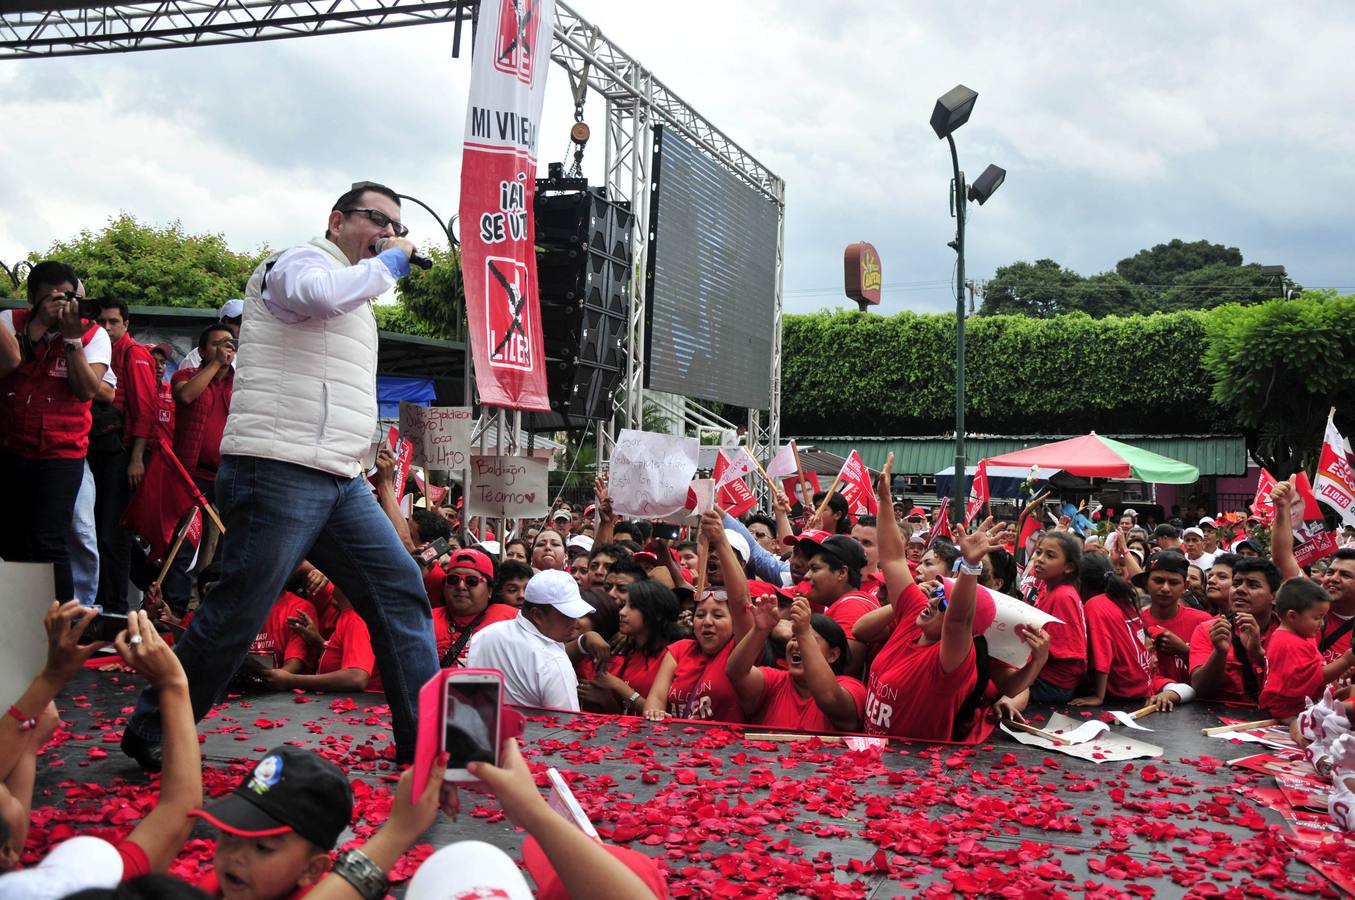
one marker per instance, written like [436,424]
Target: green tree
[1218,284]
[1109,294]
[151,266]
[433,299]
[1164,263]
[1278,367]
[1041,289]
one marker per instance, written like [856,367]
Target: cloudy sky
[1120,125]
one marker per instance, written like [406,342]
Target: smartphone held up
[472,720]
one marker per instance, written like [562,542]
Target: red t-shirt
[448,630]
[1234,688]
[1341,644]
[783,707]
[845,610]
[323,600]
[209,411]
[278,639]
[1118,646]
[350,647]
[700,688]
[1293,672]
[872,583]
[637,670]
[433,581]
[1169,665]
[1067,637]
[909,694]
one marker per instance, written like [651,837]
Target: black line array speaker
[583,265]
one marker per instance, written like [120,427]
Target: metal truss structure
[635,102]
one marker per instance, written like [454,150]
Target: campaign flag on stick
[792,485]
[161,501]
[731,490]
[856,487]
[978,493]
[498,185]
[1261,507]
[1335,483]
[783,464]
[941,528]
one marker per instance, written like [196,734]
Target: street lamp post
[951,111]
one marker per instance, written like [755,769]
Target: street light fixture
[952,110]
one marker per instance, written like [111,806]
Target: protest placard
[650,473]
[508,487]
[23,634]
[1003,641]
[440,434]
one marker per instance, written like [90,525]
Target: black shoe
[150,757]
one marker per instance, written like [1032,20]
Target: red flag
[735,497]
[978,493]
[1261,507]
[941,529]
[856,487]
[161,501]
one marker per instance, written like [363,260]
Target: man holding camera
[290,485]
[51,363]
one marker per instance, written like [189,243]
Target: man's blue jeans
[277,514]
[82,543]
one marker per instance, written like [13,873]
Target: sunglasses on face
[379,219]
[472,581]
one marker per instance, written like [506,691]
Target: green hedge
[855,373]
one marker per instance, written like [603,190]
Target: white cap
[1192,530]
[738,542]
[232,308]
[562,515]
[917,537]
[582,541]
[1208,520]
[468,869]
[557,588]
[78,864]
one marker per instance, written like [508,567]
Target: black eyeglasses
[378,218]
[472,581]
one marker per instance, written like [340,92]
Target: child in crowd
[647,626]
[1120,650]
[811,693]
[1228,653]
[1170,622]
[1294,666]
[1057,563]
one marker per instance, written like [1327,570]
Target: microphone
[415,259]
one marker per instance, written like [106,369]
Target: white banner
[508,487]
[1003,641]
[649,473]
[440,434]
[1335,484]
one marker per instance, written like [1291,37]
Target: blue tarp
[391,389]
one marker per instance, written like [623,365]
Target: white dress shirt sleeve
[305,283]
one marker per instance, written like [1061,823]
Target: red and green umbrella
[1094,456]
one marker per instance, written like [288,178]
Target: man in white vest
[291,486]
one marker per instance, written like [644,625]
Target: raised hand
[766,613]
[800,617]
[979,542]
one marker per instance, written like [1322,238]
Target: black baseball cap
[1166,561]
[847,549]
[290,789]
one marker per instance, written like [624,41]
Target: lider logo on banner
[506,290]
[513,46]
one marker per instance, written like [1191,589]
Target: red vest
[44,419]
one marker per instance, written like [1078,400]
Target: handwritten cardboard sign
[650,473]
[508,487]
[440,434]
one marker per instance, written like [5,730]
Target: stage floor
[733,817]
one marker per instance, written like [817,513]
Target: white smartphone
[472,705]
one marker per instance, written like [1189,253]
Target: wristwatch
[962,567]
[365,876]
[73,344]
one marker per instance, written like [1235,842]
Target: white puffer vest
[305,393]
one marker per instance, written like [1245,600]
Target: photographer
[51,364]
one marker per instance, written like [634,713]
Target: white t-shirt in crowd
[99,350]
[536,670]
[1204,560]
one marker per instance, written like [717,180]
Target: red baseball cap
[473,559]
[813,535]
[916,511]
[985,608]
[766,589]
[549,887]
